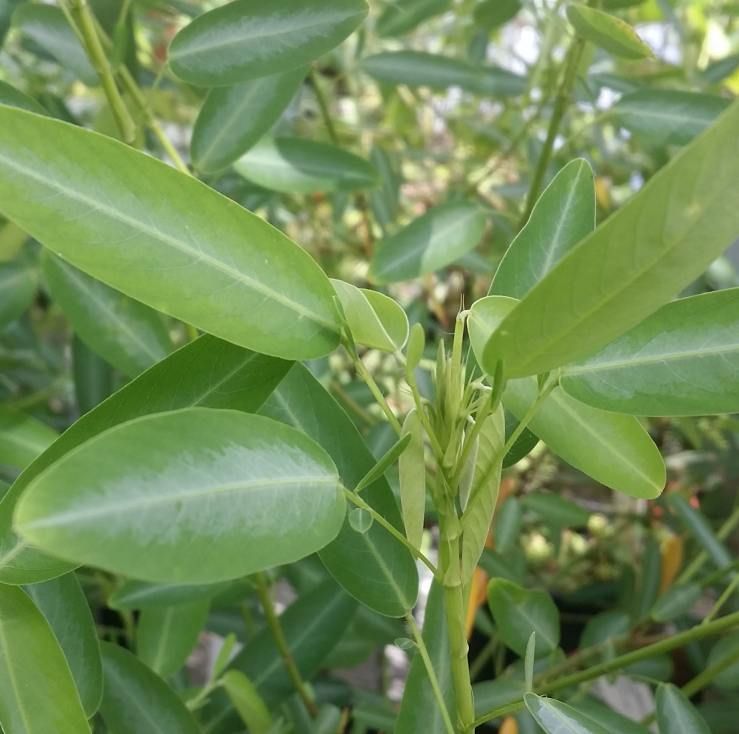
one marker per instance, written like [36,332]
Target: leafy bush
[509,299]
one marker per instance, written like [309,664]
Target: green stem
[723,532]
[278,635]
[728,591]
[430,672]
[86,25]
[377,394]
[323,107]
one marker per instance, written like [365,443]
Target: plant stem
[728,591]
[323,107]
[355,499]
[86,25]
[723,532]
[278,635]
[377,394]
[596,671]
[571,62]
[430,672]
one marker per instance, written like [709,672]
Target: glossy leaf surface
[233,119]
[682,360]
[137,700]
[246,39]
[556,717]
[169,241]
[65,608]
[246,492]
[607,31]
[640,258]
[675,713]
[37,692]
[436,239]
[129,335]
[299,166]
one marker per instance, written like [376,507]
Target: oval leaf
[246,39]
[607,31]
[169,241]
[556,717]
[216,495]
[143,595]
[675,713]
[493,13]
[247,701]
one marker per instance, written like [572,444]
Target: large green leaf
[607,31]
[675,713]
[22,438]
[215,494]
[129,335]
[419,709]
[137,700]
[594,712]
[373,567]
[18,280]
[247,39]
[555,717]
[233,119]
[640,258]
[682,360]
[298,166]
[208,372]
[420,69]
[143,595]
[493,13]
[63,604]
[436,239]
[402,16]
[167,635]
[563,215]
[163,238]
[37,693]
[667,116]
[13,97]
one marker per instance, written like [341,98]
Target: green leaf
[675,602]
[681,360]
[402,16]
[163,238]
[94,379]
[127,334]
[650,573]
[614,723]
[412,473]
[641,257]
[247,702]
[386,580]
[135,699]
[667,116]
[385,198]
[556,510]
[726,647]
[699,527]
[607,32]
[518,612]
[216,494]
[13,97]
[374,319]
[245,40]
[605,626]
[556,717]
[167,635]
[675,713]
[384,463]
[420,69]
[207,372]
[22,438]
[143,595]
[63,604]
[18,280]
[478,514]
[436,239]
[491,14]
[562,216]
[233,119]
[47,27]
[508,525]
[37,693]
[419,710]
[299,166]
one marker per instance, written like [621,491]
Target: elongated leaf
[675,713]
[386,579]
[429,243]
[93,377]
[727,647]
[518,612]
[420,69]
[493,13]
[556,717]
[563,215]
[374,319]
[246,39]
[404,15]
[18,281]
[478,514]
[22,438]
[699,527]
[13,97]
[63,604]
[247,702]
[614,723]
[216,494]
[412,471]
[667,116]
[168,241]
[137,700]
[649,579]
[167,635]
[607,31]
[129,335]
[233,119]
[675,602]
[419,709]
[297,166]
[37,693]
[632,264]
[556,510]
[46,26]
[682,360]
[385,198]
[143,595]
